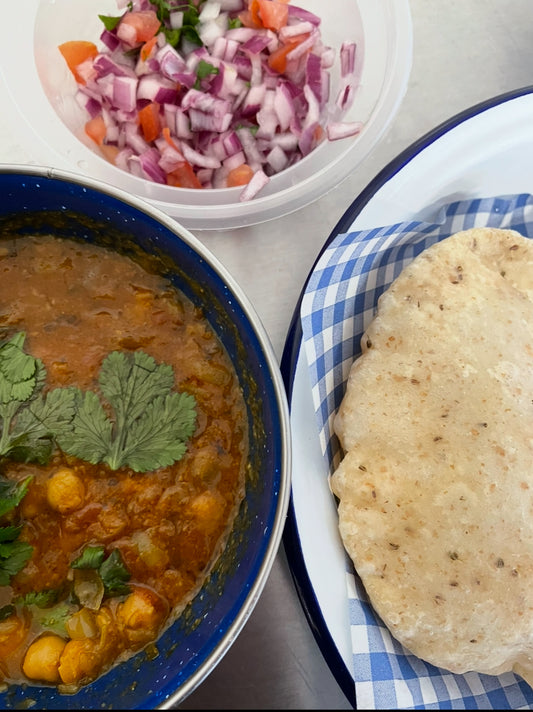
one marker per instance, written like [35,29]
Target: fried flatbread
[436,484]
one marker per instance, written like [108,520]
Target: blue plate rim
[289,359]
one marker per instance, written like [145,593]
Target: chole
[436,485]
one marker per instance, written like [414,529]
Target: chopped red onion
[110,40]
[277,159]
[257,182]
[304,46]
[176,19]
[154,87]
[253,100]
[170,159]
[253,155]
[298,28]
[232,5]
[105,64]
[345,97]
[342,129]
[91,105]
[125,93]
[183,128]
[266,117]
[347,55]
[149,160]
[205,176]
[234,161]
[283,105]
[127,34]
[195,158]
[304,15]
[209,11]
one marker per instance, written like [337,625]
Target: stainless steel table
[465,51]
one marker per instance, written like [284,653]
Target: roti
[435,487]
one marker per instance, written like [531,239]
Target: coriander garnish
[111,569]
[150,426]
[29,420]
[13,553]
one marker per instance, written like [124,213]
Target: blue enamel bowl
[44,201]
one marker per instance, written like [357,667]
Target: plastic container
[46,118]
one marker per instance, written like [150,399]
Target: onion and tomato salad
[212,93]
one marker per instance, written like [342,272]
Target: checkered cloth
[338,304]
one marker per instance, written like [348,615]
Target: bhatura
[436,485]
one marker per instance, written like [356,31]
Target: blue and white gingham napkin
[338,304]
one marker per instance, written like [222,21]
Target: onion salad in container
[211,94]
[267,105]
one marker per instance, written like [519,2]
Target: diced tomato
[319,134]
[240,175]
[277,60]
[250,17]
[146,49]
[75,53]
[145,23]
[150,121]
[273,13]
[270,14]
[96,129]
[183,177]
[168,138]
[109,152]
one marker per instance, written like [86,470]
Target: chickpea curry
[123,450]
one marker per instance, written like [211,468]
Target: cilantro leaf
[12,494]
[41,599]
[150,424]
[163,9]
[188,31]
[91,430]
[203,70]
[13,554]
[28,419]
[36,426]
[114,574]
[172,36]
[90,558]
[8,534]
[54,619]
[15,365]
[6,611]
[110,22]
[112,570]
[46,610]
[151,441]
[128,384]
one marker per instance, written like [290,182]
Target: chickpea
[12,632]
[80,660]
[207,509]
[65,491]
[140,615]
[41,661]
